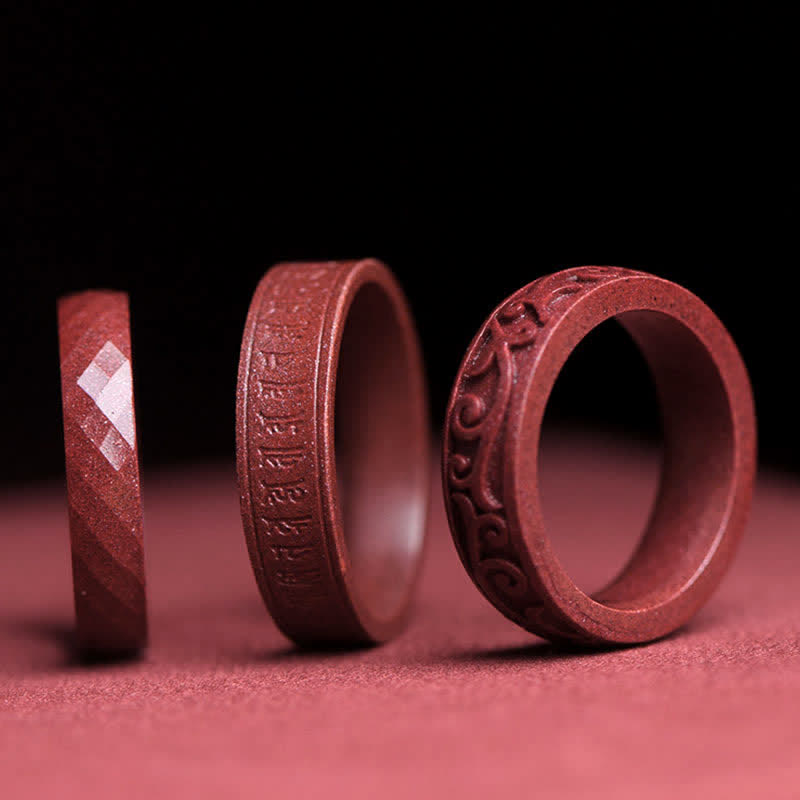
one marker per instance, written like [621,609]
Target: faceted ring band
[102,463]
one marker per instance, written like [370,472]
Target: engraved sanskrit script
[282,429]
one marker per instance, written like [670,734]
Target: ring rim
[564,611]
[344,613]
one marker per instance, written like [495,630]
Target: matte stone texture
[491,456]
[105,506]
[333,450]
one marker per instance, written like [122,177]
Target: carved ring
[490,456]
[333,450]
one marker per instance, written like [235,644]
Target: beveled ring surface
[333,450]
[102,463]
[491,450]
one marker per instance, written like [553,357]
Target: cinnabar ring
[105,504]
[491,445]
[333,450]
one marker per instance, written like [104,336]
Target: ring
[102,465]
[491,443]
[333,450]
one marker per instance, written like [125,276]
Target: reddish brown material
[491,456]
[105,507]
[334,533]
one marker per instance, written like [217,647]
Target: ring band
[490,456]
[335,533]
[102,464]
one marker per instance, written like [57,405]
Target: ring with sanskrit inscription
[102,464]
[333,450]
[491,451]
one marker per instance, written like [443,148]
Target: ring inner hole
[688,503]
[379,466]
[600,456]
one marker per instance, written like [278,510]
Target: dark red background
[464,704]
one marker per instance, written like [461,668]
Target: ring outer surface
[102,466]
[289,503]
[490,453]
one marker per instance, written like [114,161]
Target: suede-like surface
[464,704]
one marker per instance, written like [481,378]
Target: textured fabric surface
[464,704]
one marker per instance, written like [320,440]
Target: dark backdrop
[177,158]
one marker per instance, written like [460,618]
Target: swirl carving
[476,426]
